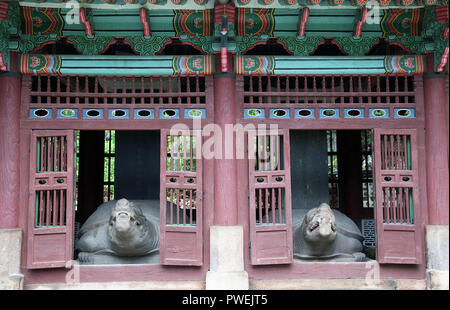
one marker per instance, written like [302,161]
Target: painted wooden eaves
[209,4]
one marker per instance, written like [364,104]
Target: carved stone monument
[321,234]
[121,232]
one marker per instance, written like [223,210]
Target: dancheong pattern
[255,22]
[403,64]
[402,22]
[189,65]
[42,21]
[40,64]
[255,65]
[192,22]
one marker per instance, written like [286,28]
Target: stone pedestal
[10,250]
[437,274]
[226,259]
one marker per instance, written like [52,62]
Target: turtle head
[320,224]
[126,220]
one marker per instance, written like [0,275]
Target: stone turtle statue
[120,231]
[321,234]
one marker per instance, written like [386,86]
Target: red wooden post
[437,148]
[10,84]
[225,170]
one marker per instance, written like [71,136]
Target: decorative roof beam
[328,65]
[113,65]
[304,19]
[360,22]
[4,37]
[224,44]
[145,23]
[87,23]
[4,6]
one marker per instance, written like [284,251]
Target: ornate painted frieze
[147,47]
[318,65]
[404,64]
[40,64]
[42,21]
[113,65]
[255,22]
[398,22]
[188,65]
[260,65]
[192,22]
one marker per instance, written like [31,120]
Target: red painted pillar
[10,85]
[225,170]
[436,135]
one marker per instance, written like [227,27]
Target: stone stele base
[437,274]
[10,250]
[226,270]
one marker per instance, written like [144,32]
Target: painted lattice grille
[51,200]
[117,90]
[116,97]
[181,198]
[399,239]
[181,193]
[270,197]
[50,208]
[328,89]
[51,170]
[330,97]
[269,180]
[51,154]
[397,200]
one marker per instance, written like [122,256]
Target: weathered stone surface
[226,248]
[237,280]
[437,247]
[437,279]
[226,259]
[10,251]
[147,285]
[411,284]
[338,284]
[14,282]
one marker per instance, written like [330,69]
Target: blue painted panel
[169,113]
[118,114]
[142,114]
[93,113]
[191,113]
[299,112]
[254,113]
[377,113]
[67,113]
[324,113]
[354,113]
[40,113]
[404,113]
[282,113]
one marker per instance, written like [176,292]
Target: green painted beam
[321,65]
[115,65]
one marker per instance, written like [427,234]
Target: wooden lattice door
[181,198]
[50,212]
[397,196]
[270,197]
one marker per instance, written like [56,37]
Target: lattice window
[181,195]
[368,195]
[397,200]
[105,97]
[181,171]
[333,180]
[109,160]
[328,89]
[117,90]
